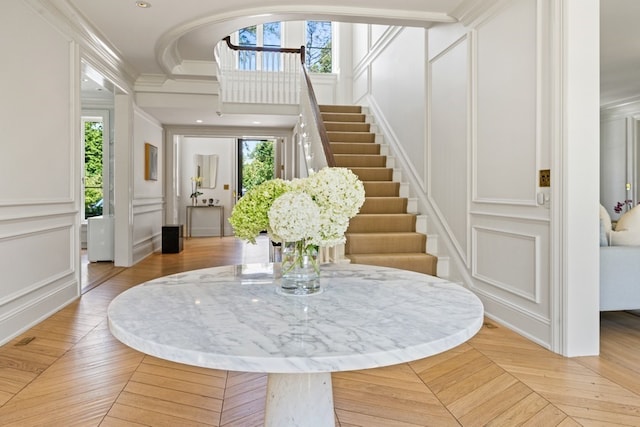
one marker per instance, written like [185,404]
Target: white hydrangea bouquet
[315,210]
[303,214]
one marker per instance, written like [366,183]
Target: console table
[190,209]
[233,318]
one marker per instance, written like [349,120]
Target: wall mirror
[207,169]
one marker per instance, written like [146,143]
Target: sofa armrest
[619,278]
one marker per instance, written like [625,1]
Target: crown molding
[65,17]
[469,11]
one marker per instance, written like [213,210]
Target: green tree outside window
[93,169]
[318,47]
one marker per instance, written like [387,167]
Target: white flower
[294,216]
[337,190]
[315,210]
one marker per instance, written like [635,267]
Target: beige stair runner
[383,233]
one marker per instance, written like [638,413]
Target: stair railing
[272,75]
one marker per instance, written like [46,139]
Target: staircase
[383,233]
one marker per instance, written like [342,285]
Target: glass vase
[300,268]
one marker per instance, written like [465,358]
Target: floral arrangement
[626,205]
[250,215]
[195,184]
[314,210]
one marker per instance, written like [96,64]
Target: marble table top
[233,318]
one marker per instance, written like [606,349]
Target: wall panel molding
[37,292]
[448,125]
[392,139]
[374,51]
[517,256]
[507,147]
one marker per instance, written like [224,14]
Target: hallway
[69,370]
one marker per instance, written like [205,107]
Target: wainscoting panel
[37,160]
[510,271]
[448,142]
[361,43]
[399,64]
[147,227]
[43,251]
[496,249]
[324,86]
[361,85]
[507,106]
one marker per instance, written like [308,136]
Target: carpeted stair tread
[388,223]
[354,148]
[360,160]
[343,117]
[383,233]
[422,263]
[347,127]
[340,108]
[384,205]
[375,243]
[381,188]
[373,174]
[341,136]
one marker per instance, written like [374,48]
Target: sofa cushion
[604,240]
[605,218]
[624,238]
[630,220]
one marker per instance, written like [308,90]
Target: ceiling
[154,40]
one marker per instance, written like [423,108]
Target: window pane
[318,46]
[247,37]
[271,37]
[93,169]
[271,34]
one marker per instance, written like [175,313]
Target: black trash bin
[172,238]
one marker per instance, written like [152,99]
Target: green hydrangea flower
[250,215]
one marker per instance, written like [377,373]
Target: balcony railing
[262,75]
[276,76]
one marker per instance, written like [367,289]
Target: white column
[304,400]
[576,203]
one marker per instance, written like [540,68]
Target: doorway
[96,178]
[256,163]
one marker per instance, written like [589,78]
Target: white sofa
[619,278]
[620,262]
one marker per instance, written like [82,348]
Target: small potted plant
[195,184]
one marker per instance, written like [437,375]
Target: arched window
[266,35]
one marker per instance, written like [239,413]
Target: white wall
[619,155]
[449,154]
[467,112]
[148,200]
[206,222]
[39,170]
[41,164]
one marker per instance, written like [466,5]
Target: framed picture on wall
[150,162]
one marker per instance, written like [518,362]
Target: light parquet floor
[69,371]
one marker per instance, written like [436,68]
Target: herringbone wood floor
[74,373]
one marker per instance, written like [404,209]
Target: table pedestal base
[299,400]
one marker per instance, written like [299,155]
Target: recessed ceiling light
[256,123]
[143,4]
[198,121]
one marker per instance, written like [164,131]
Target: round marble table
[233,318]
